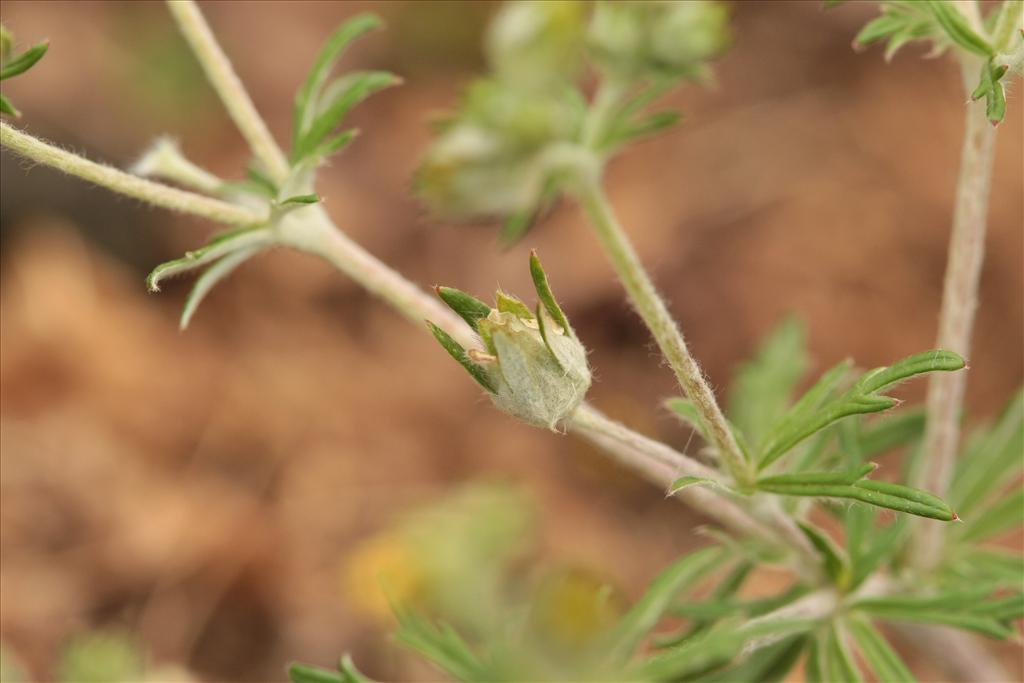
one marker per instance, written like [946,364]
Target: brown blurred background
[203,491]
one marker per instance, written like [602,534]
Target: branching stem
[124,183]
[228,86]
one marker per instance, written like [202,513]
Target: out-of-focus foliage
[12,65]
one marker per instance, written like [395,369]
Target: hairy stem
[127,184]
[662,465]
[669,338]
[228,86]
[956,319]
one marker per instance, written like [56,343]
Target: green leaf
[335,144]
[769,664]
[7,108]
[355,88]
[305,99]
[210,277]
[219,247]
[835,562]
[629,633]
[540,283]
[763,388]
[23,62]
[838,661]
[880,656]
[839,485]
[468,307]
[720,603]
[440,644]
[873,546]
[1004,514]
[815,664]
[301,199]
[992,459]
[890,432]
[301,673]
[686,482]
[962,610]
[634,130]
[687,412]
[957,28]
[808,417]
[456,351]
[817,478]
[350,673]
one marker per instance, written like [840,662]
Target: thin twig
[228,86]
[127,184]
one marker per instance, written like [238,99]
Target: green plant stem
[956,319]
[127,184]
[230,89]
[659,321]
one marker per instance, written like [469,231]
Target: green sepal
[23,62]
[542,328]
[506,303]
[468,307]
[456,351]
[540,283]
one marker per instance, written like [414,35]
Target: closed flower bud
[658,37]
[532,364]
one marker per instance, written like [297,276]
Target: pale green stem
[230,89]
[148,191]
[659,321]
[956,318]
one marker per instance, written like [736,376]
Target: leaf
[687,412]
[301,199]
[540,283]
[1005,514]
[210,277]
[456,351]
[889,432]
[962,610]
[301,673]
[721,596]
[7,108]
[875,545]
[880,656]
[335,144]
[991,460]
[468,307]
[305,99]
[815,665]
[350,673]
[220,246]
[23,62]
[806,418]
[818,478]
[842,485]
[835,562]
[763,388]
[635,625]
[686,482]
[634,130]
[357,87]
[957,28]
[440,644]
[838,661]
[769,664]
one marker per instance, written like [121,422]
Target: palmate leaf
[819,408]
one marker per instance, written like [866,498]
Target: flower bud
[537,44]
[532,364]
[658,37]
